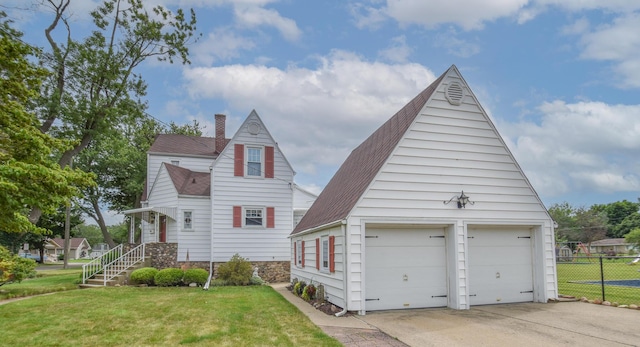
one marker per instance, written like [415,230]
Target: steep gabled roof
[341,194]
[189,182]
[75,242]
[185,145]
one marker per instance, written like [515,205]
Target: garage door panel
[500,266]
[405,268]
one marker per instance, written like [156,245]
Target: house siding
[254,243]
[163,194]
[154,161]
[196,241]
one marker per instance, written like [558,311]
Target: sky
[560,79]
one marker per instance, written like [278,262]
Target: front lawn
[132,316]
[46,282]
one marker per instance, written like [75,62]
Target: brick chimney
[220,135]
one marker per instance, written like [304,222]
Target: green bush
[198,276]
[144,275]
[256,281]
[14,268]
[309,292]
[169,277]
[298,288]
[237,271]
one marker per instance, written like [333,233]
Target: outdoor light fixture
[462,200]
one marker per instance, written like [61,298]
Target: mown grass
[571,276]
[45,282]
[132,316]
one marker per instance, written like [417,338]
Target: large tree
[94,86]
[29,177]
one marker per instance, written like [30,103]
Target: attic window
[454,93]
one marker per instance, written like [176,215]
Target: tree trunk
[103,227]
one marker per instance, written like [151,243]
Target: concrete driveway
[528,324]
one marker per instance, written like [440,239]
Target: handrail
[96,265]
[123,263]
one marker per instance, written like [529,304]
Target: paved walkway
[349,330]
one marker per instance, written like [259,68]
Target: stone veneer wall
[164,255]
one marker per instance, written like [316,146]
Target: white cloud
[455,46]
[254,16]
[585,146]
[222,44]
[399,52]
[319,114]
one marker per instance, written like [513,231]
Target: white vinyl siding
[197,240]
[154,161]
[164,194]
[257,244]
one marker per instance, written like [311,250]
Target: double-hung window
[254,161]
[253,217]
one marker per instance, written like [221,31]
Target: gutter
[345,282]
[206,285]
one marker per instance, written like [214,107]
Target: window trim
[323,268]
[299,253]
[190,228]
[263,216]
[247,148]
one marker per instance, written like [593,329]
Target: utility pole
[67,227]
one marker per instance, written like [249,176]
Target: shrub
[198,276]
[144,275]
[237,271]
[309,292]
[169,277]
[14,268]
[298,289]
[256,281]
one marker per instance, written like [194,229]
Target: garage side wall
[333,282]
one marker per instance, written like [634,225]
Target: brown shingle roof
[75,241]
[189,182]
[184,144]
[341,194]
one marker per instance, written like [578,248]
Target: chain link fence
[608,278]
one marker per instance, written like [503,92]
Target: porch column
[132,225]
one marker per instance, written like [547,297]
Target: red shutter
[237,216]
[318,254]
[302,253]
[332,254]
[268,162]
[238,162]
[271,217]
[295,253]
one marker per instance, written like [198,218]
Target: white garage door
[405,268]
[500,265]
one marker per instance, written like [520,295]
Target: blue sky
[559,78]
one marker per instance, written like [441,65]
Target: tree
[633,237]
[29,178]
[630,222]
[590,225]
[564,215]
[617,212]
[94,87]
[90,232]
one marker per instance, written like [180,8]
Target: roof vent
[454,93]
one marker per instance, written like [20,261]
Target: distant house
[211,198]
[432,210]
[79,247]
[618,245]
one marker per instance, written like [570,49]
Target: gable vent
[454,93]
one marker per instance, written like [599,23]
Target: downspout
[345,279]
[208,283]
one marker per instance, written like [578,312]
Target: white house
[215,197]
[431,210]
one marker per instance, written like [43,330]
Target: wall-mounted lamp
[462,200]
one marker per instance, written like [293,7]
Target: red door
[163,228]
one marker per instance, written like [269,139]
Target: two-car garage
[408,267]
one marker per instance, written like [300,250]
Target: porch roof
[144,211]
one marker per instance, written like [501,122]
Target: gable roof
[185,145]
[609,242]
[75,242]
[341,194]
[189,182]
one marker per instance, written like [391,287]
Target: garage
[405,268]
[500,265]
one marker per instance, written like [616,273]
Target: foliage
[633,237]
[236,271]
[25,152]
[630,222]
[169,277]
[198,276]
[616,213]
[564,215]
[298,288]
[256,281]
[145,275]
[90,232]
[309,292]
[14,268]
[224,316]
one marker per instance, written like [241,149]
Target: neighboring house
[431,210]
[79,247]
[215,197]
[99,249]
[618,245]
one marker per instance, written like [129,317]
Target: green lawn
[571,274]
[132,316]
[46,282]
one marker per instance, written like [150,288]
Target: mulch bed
[321,304]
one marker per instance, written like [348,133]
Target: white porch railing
[122,264]
[96,265]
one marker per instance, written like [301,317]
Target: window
[324,256]
[175,162]
[299,253]
[187,220]
[254,161]
[253,217]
